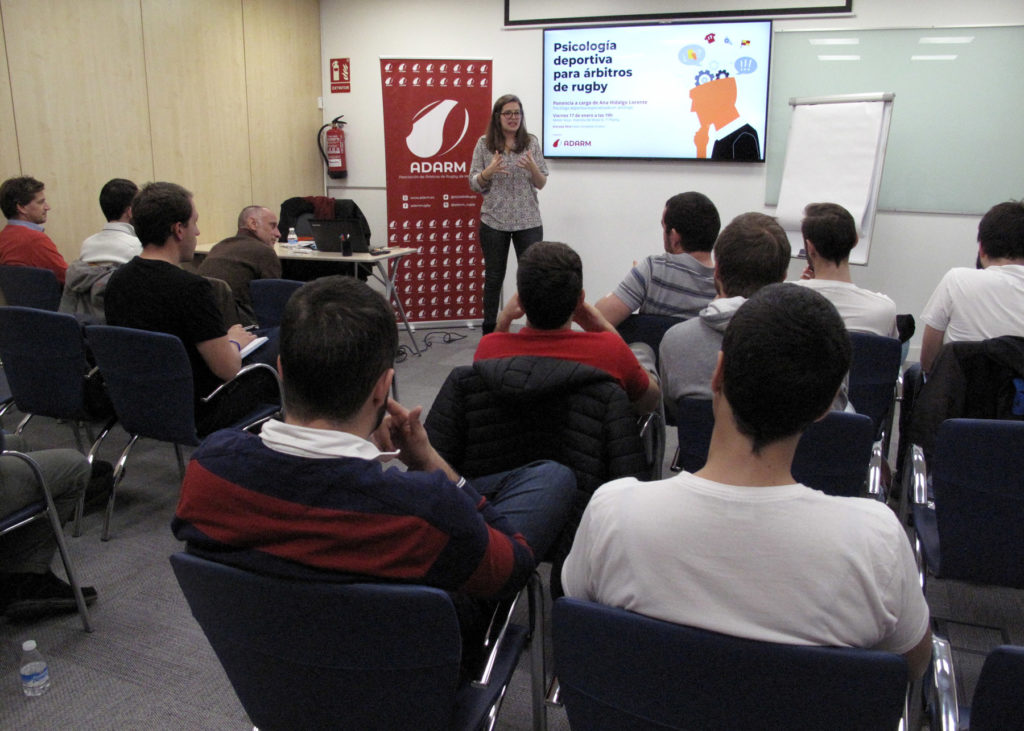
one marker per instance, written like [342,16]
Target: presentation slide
[682,91]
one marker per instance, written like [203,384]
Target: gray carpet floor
[148,665]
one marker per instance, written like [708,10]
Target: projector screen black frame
[669,91]
[517,12]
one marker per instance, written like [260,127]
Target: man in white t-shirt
[829,234]
[986,302]
[739,547]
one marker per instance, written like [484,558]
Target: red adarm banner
[434,112]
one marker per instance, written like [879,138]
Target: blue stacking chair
[970,524]
[834,453]
[303,654]
[269,296]
[149,379]
[44,357]
[998,703]
[622,671]
[43,508]
[30,287]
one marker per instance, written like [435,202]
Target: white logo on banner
[431,127]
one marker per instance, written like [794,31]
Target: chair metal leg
[58,535]
[181,461]
[91,456]
[118,475]
[538,647]
[23,423]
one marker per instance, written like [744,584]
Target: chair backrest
[44,359]
[695,421]
[621,670]
[326,655]
[585,423]
[998,702]
[149,380]
[874,369]
[834,453]
[649,329]
[269,296]
[30,287]
[977,474]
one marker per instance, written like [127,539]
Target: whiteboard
[835,154]
[954,146]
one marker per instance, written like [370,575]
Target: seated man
[550,294]
[249,500]
[680,281]
[982,303]
[102,253]
[738,547]
[830,234]
[22,241]
[28,588]
[750,253]
[246,256]
[152,292]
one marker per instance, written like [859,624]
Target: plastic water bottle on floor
[293,239]
[35,674]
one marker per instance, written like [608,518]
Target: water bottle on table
[293,239]
[35,673]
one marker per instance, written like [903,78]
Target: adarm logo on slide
[572,143]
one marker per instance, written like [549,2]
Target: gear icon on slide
[703,77]
[723,74]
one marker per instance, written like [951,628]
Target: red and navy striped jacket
[344,518]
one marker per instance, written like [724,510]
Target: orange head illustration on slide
[714,101]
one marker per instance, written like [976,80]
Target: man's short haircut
[155,210]
[337,337]
[784,355]
[751,252]
[695,218]
[115,197]
[16,192]
[1001,231]
[831,229]
[549,280]
[246,212]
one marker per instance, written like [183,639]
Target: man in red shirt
[550,294]
[22,241]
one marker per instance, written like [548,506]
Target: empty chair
[998,703]
[834,454]
[45,363]
[874,370]
[269,297]
[30,287]
[149,379]
[620,670]
[335,655]
[971,526]
[43,508]
[694,421]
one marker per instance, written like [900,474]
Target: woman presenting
[508,169]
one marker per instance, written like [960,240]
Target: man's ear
[717,378]
[675,240]
[809,248]
[382,387]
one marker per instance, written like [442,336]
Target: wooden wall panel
[79,97]
[10,164]
[195,64]
[283,81]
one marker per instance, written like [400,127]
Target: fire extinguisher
[335,153]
